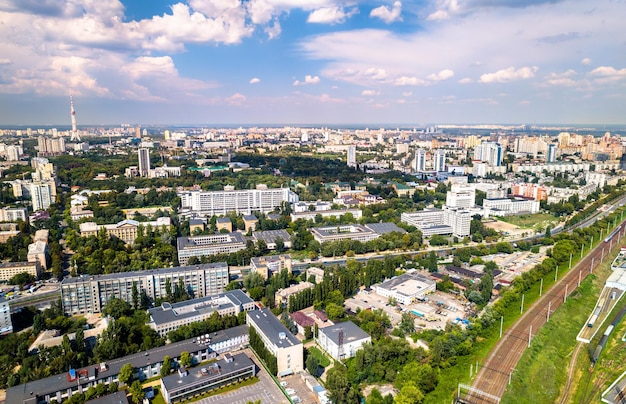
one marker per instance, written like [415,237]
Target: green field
[541,374]
[530,221]
[323,360]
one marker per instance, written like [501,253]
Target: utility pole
[541,287]
[501,324]
[565,294]
[521,309]
[549,305]
[591,268]
[530,334]
[580,273]
[570,260]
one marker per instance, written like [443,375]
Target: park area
[536,221]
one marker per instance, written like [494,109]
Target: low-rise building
[38,252]
[13,214]
[77,213]
[506,206]
[342,340]
[224,223]
[186,384]
[334,213]
[271,237]
[406,288]
[345,231]
[302,321]
[212,244]
[282,295]
[270,264]
[170,316]
[10,269]
[250,222]
[281,343]
[316,273]
[125,230]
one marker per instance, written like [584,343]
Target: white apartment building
[419,164]
[433,221]
[171,316]
[88,294]
[6,325]
[212,244]
[42,194]
[461,196]
[351,156]
[489,152]
[246,201]
[278,340]
[342,340]
[13,214]
[439,160]
[143,156]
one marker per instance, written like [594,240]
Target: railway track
[496,373]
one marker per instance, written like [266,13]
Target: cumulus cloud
[255,80]
[370,92]
[586,61]
[509,74]
[330,15]
[236,99]
[410,81]
[308,79]
[608,74]
[466,80]
[387,14]
[442,75]
[561,79]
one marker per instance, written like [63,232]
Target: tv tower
[74,134]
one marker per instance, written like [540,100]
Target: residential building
[143,155]
[419,164]
[489,152]
[10,269]
[171,316]
[278,340]
[406,288]
[250,222]
[77,213]
[13,214]
[39,252]
[224,223]
[126,230]
[271,264]
[246,201]
[351,156]
[282,295]
[534,191]
[302,321]
[433,221]
[342,340]
[6,325]
[316,273]
[439,160]
[336,213]
[42,194]
[212,244]
[186,384]
[551,157]
[88,294]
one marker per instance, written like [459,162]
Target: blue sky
[313,61]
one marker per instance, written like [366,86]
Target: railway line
[494,376]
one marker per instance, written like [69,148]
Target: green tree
[312,365]
[126,374]
[166,366]
[409,394]
[116,308]
[185,359]
[22,279]
[137,392]
[334,311]
[253,280]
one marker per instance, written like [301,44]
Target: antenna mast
[74,134]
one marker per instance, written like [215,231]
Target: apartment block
[212,244]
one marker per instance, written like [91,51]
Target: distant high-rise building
[420,160]
[489,152]
[351,156]
[439,160]
[472,141]
[42,194]
[551,158]
[144,162]
[304,137]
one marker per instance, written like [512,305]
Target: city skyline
[312,61]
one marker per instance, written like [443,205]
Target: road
[495,374]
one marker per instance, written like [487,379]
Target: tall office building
[551,158]
[420,160]
[144,161]
[439,160]
[351,156]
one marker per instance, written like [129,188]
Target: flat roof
[383,228]
[270,236]
[407,284]
[161,315]
[117,275]
[52,384]
[351,332]
[214,239]
[269,325]
[119,397]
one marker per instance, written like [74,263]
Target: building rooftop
[270,236]
[302,319]
[118,275]
[383,228]
[351,332]
[271,327]
[211,239]
[407,284]
[119,397]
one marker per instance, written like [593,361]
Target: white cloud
[236,99]
[509,74]
[330,15]
[255,80]
[410,81]
[5,61]
[407,93]
[387,14]
[308,79]
[370,92]
[442,75]
[466,80]
[608,74]
[586,61]
[561,79]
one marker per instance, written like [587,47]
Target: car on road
[284,384]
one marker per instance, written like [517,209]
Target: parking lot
[296,383]
[367,301]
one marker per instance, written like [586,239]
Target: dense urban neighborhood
[310,264]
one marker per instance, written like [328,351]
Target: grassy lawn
[530,221]
[541,374]
[324,361]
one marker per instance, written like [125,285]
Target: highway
[496,371]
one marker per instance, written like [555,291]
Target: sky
[312,61]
